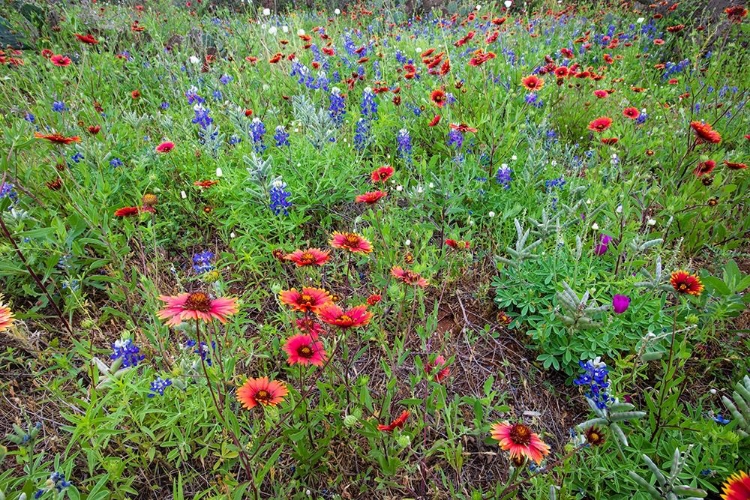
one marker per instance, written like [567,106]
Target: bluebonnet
[73,285]
[64,262]
[337,110]
[281,137]
[202,117]
[455,139]
[29,117]
[376,69]
[641,119]
[404,144]
[125,54]
[534,100]
[401,58]
[721,420]
[7,191]
[351,49]
[503,176]
[217,95]
[279,198]
[235,139]
[202,261]
[77,157]
[55,482]
[225,79]
[59,106]
[158,386]
[595,377]
[127,351]
[257,131]
[369,105]
[362,134]
[203,350]
[165,105]
[554,183]
[193,97]
[115,162]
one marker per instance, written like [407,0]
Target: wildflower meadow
[379,250]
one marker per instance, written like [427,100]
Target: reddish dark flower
[532,83]
[631,113]
[94,129]
[398,423]
[374,299]
[439,97]
[684,282]
[600,124]
[736,13]
[60,60]
[382,174]
[87,39]
[462,127]
[370,198]
[434,121]
[127,211]
[704,167]
[609,141]
[57,138]
[705,133]
[735,165]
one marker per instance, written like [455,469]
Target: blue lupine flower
[202,262]
[7,191]
[235,139]
[362,134]
[403,141]
[202,117]
[455,139]
[225,79]
[503,176]
[595,377]
[337,108]
[115,162]
[127,351]
[77,157]
[369,106]
[279,198]
[158,386]
[203,350]
[534,100]
[721,420]
[554,183]
[29,117]
[281,137]
[257,131]
[217,95]
[165,105]
[641,119]
[59,107]
[193,97]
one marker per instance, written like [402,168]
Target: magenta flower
[620,303]
[602,247]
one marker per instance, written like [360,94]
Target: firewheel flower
[351,242]
[438,369]
[127,211]
[6,316]
[60,60]
[705,133]
[520,441]
[309,257]
[370,198]
[600,124]
[684,282]
[532,82]
[439,97]
[165,147]
[398,422]
[261,391]
[304,350]
[631,113]
[736,487]
[87,39]
[352,318]
[408,277]
[382,174]
[197,306]
[57,138]
[308,300]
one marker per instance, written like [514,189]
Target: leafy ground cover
[495,251]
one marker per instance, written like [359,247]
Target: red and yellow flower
[520,441]
[408,277]
[57,138]
[304,350]
[736,487]
[684,282]
[600,124]
[6,316]
[351,242]
[705,133]
[309,257]
[308,300]
[196,306]
[532,83]
[261,391]
[370,198]
[351,318]
[382,174]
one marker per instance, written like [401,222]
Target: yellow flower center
[305,351]
[307,258]
[263,397]
[345,319]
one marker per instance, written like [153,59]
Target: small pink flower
[620,303]
[165,147]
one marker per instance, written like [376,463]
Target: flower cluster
[202,262]
[595,377]
[126,351]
